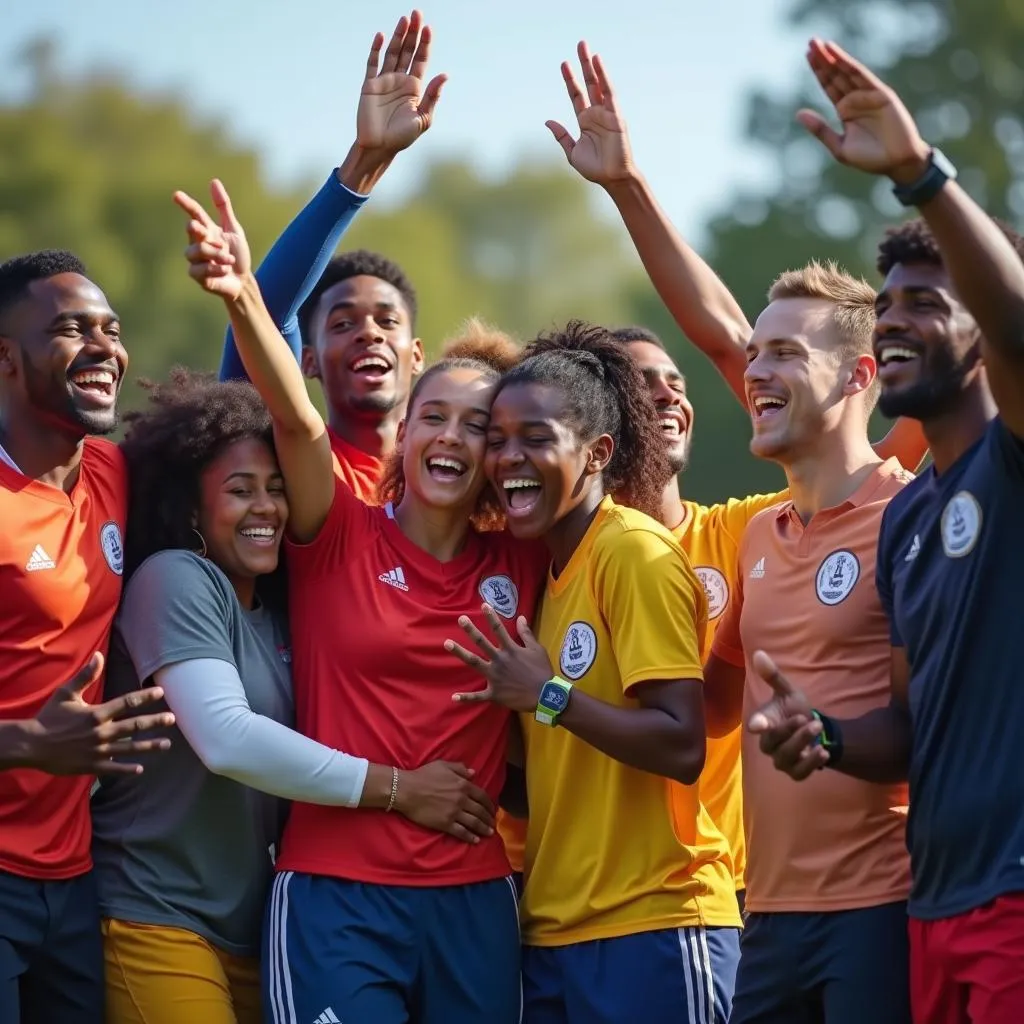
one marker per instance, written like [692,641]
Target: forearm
[299,257]
[987,273]
[876,746]
[648,739]
[723,696]
[270,364]
[699,302]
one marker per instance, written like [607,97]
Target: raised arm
[699,302]
[394,110]
[219,261]
[879,136]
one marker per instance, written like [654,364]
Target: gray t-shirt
[178,845]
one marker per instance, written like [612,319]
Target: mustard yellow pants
[158,975]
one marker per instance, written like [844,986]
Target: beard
[59,407]
[937,389]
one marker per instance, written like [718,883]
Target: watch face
[554,698]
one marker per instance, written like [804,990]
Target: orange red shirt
[806,595]
[61,563]
[360,472]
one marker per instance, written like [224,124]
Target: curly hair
[190,419]
[478,347]
[913,242]
[17,273]
[605,393]
[631,335]
[358,263]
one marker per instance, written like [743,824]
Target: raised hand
[786,724]
[72,737]
[394,108]
[515,673]
[879,135]
[601,154]
[218,255]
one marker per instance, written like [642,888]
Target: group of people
[451,708]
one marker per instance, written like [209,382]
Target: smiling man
[826,902]
[63,498]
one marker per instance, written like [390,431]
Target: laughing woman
[372,918]
[628,913]
[184,853]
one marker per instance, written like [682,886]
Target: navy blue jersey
[950,574]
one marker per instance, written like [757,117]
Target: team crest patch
[715,587]
[501,594]
[113,549]
[579,649]
[837,576]
[961,524]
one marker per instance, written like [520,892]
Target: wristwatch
[554,699]
[939,171]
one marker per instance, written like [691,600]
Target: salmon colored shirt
[806,595]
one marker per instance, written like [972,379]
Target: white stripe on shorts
[279,978]
[697,975]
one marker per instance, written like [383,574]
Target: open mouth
[893,358]
[97,384]
[261,536]
[521,495]
[445,469]
[672,427]
[767,406]
[372,369]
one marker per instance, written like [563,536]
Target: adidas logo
[39,559]
[915,549]
[394,578]
[329,1016]
[757,572]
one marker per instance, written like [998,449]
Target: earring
[202,540]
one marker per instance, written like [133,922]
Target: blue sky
[285,76]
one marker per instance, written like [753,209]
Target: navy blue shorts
[352,952]
[670,976]
[51,951]
[841,967]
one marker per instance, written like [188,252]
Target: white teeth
[371,362]
[513,485]
[768,402]
[258,531]
[895,353]
[670,425]
[446,463]
[94,377]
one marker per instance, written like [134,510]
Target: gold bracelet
[394,789]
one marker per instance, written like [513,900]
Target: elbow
[688,760]
[218,761]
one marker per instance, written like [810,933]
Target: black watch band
[939,171]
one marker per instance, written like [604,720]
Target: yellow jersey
[608,850]
[711,536]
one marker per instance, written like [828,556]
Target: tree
[952,62]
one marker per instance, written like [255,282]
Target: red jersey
[61,560]
[370,612]
[359,471]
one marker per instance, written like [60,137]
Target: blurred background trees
[89,163]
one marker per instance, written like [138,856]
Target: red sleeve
[345,522]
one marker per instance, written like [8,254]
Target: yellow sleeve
[736,513]
[654,607]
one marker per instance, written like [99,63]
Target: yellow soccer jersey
[605,854]
[710,536]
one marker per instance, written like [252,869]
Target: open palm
[879,135]
[218,254]
[601,154]
[394,107]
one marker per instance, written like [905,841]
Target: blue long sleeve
[294,264]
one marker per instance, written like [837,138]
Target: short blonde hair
[852,297]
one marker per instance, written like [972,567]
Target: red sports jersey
[370,613]
[359,471]
[61,559]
